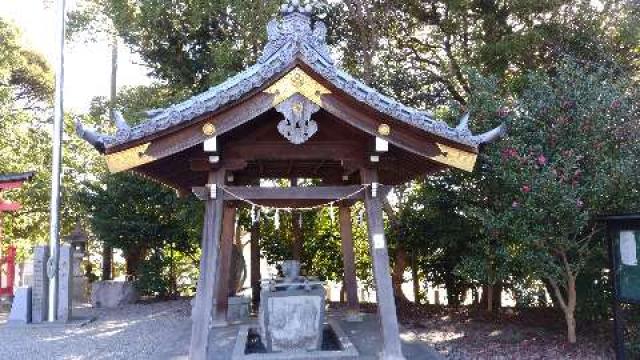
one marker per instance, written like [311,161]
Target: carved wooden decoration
[297,125]
[297,82]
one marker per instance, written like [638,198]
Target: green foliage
[571,155]
[26,87]
[431,223]
[26,81]
[190,45]
[167,273]
[135,215]
[322,253]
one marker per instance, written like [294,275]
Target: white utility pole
[56,168]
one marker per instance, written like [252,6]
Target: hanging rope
[290,209]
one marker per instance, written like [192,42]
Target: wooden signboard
[624,250]
[627,269]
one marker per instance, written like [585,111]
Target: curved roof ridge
[290,38]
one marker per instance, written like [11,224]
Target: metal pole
[56,168]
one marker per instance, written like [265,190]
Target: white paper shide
[628,248]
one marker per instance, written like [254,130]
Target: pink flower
[509,153]
[542,160]
[615,104]
[526,189]
[579,204]
[515,205]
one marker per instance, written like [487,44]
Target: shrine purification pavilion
[294,114]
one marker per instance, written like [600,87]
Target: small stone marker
[238,310]
[39,291]
[113,294]
[21,307]
[65,285]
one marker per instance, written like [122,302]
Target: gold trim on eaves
[456,158]
[129,159]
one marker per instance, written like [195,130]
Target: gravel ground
[532,334]
[150,331]
[162,331]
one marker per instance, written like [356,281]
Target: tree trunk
[107,262]
[453,290]
[416,279]
[570,314]
[491,298]
[571,328]
[397,278]
[133,257]
[568,303]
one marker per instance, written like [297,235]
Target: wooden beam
[293,193]
[9,206]
[278,150]
[203,309]
[203,164]
[348,259]
[391,347]
[224,266]
[11,185]
[291,196]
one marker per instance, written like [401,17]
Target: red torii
[9,182]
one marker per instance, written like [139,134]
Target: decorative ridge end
[463,126]
[119,121]
[123,128]
[91,136]
[492,135]
[296,6]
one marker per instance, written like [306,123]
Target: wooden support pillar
[296,230]
[348,259]
[224,266]
[255,260]
[203,310]
[392,349]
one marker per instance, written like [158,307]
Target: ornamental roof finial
[298,6]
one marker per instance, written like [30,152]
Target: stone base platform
[340,348]
[365,337]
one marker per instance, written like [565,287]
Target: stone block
[40,287]
[80,290]
[238,310]
[113,294]
[21,307]
[292,320]
[65,285]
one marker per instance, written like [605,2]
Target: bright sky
[87,65]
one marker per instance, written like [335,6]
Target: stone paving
[152,331]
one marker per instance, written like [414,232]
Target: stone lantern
[78,242]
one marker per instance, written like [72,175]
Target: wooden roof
[294,76]
[16,177]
